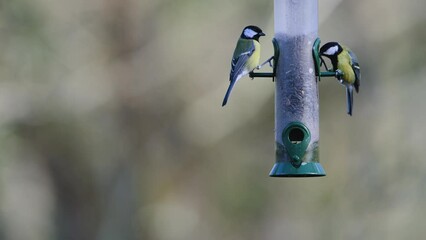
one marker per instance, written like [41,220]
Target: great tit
[345,64]
[246,56]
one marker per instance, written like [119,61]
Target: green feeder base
[286,169]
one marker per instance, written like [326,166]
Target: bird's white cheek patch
[331,51]
[249,33]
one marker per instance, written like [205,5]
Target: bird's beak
[262,34]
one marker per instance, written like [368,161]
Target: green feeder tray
[294,159]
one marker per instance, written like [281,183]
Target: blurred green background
[111,125]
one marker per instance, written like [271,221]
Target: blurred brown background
[111,125]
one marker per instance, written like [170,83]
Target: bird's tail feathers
[228,92]
[349,99]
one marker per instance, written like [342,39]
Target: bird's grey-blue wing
[356,69]
[246,49]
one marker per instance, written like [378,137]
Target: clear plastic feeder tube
[296,92]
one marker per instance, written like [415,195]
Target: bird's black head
[331,50]
[252,32]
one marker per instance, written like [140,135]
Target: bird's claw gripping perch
[253,74]
[265,62]
[339,74]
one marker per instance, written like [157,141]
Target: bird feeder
[296,90]
[296,71]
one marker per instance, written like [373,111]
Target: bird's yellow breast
[345,65]
[253,61]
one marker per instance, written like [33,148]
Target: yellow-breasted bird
[345,64]
[246,56]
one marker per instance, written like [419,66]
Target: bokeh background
[111,125]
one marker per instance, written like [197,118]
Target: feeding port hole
[296,135]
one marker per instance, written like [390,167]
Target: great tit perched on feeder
[246,56]
[345,64]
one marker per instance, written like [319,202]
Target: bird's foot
[265,62]
[339,74]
